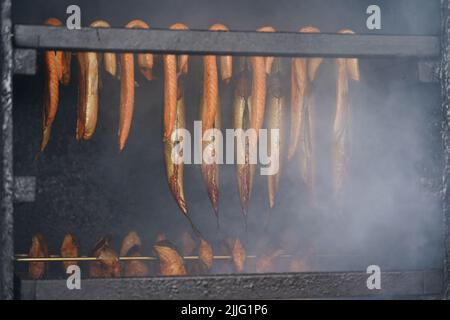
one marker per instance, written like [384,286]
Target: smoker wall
[393,215]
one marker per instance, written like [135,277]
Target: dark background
[392,215]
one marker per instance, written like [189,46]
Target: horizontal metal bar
[25,258]
[233,42]
[25,61]
[251,286]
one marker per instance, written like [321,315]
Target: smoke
[390,215]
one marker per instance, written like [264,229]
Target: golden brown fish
[345,69]
[107,265]
[205,253]
[239,256]
[261,66]
[131,240]
[131,247]
[87,94]
[211,119]
[70,249]
[109,58]
[245,169]
[39,249]
[276,110]
[303,118]
[171,91]
[174,118]
[53,64]
[171,263]
[303,72]
[145,61]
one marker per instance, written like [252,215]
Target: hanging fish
[245,169]
[174,119]
[275,116]
[145,62]
[346,69]
[211,119]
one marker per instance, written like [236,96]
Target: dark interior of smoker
[392,215]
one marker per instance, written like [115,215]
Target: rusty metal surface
[445,87]
[6,142]
[252,286]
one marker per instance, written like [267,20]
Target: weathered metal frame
[6,139]
[233,42]
[401,284]
[301,285]
[445,90]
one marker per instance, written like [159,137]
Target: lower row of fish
[167,259]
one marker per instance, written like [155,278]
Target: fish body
[346,69]
[172,149]
[205,253]
[87,95]
[108,265]
[53,65]
[69,249]
[39,249]
[131,247]
[145,62]
[171,263]
[245,170]
[239,256]
[175,67]
[303,115]
[276,114]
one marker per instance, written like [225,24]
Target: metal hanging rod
[230,43]
[52,258]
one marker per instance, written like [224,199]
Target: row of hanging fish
[169,259]
[257,87]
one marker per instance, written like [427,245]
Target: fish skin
[174,118]
[38,249]
[131,246]
[88,94]
[239,256]
[69,249]
[171,263]
[346,69]
[53,63]
[109,58]
[145,62]
[210,115]
[175,172]
[108,265]
[205,253]
[276,110]
[304,72]
[242,109]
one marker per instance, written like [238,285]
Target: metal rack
[19,51]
